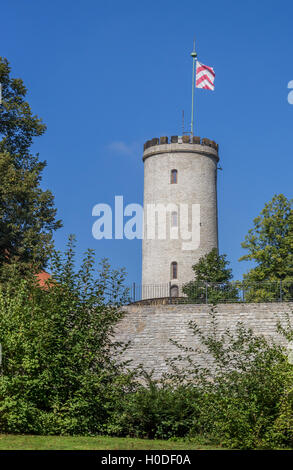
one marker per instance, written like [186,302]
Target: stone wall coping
[221,308]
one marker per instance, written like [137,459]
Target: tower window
[174,219]
[174,176]
[174,270]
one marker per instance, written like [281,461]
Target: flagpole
[194,56]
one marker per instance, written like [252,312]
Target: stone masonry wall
[149,328]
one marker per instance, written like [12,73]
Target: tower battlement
[185,139]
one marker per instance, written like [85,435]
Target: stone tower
[180,176]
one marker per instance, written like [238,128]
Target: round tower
[180,211]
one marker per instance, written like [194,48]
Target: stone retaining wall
[149,327]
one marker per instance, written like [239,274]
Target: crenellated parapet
[185,139]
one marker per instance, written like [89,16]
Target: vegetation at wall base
[60,372]
[243,401]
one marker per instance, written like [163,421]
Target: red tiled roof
[42,278]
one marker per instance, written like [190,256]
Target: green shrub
[59,372]
[245,396]
[156,412]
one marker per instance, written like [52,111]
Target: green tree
[18,126]
[27,216]
[59,372]
[27,213]
[270,245]
[212,279]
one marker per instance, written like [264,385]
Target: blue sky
[107,76]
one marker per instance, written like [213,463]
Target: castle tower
[182,172]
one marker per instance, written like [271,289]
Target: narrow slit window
[174,176]
[174,270]
[174,219]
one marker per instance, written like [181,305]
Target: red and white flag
[205,77]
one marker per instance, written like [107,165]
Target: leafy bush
[156,412]
[60,372]
[212,281]
[245,393]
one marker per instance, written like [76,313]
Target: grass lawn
[27,442]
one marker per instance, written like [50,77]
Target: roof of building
[42,277]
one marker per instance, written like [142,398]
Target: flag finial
[193,53]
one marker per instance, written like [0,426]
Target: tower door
[174,291]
